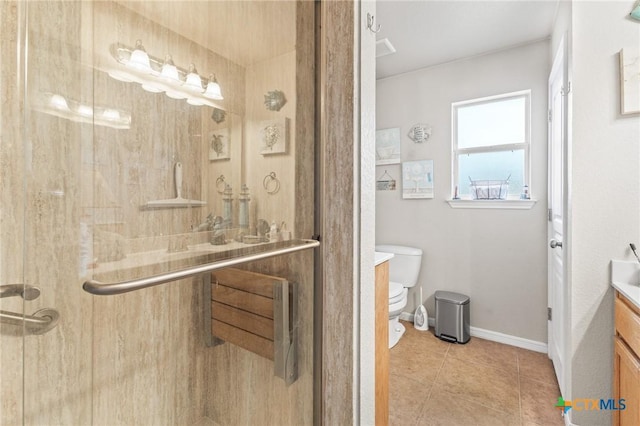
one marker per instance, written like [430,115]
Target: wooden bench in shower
[256,312]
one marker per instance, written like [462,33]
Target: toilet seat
[395,292]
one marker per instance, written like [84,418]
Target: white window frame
[457,152]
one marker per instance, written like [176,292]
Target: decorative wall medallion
[218,115]
[219,145]
[274,136]
[420,133]
[274,100]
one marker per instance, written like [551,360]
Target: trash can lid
[451,297]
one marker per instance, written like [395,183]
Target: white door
[557,291]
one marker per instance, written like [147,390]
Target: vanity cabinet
[626,371]
[382,343]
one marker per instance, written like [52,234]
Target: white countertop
[625,277]
[382,257]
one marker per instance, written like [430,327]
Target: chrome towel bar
[106,289]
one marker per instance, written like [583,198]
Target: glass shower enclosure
[157,196]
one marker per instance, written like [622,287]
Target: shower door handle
[26,291]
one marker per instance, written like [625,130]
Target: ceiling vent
[384,48]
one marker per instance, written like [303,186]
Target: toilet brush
[420,318]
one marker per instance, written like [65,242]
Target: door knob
[554,244]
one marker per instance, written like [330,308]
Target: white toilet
[404,268]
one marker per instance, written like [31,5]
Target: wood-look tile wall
[12,202]
[137,358]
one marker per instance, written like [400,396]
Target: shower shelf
[206,262]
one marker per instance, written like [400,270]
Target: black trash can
[452,316]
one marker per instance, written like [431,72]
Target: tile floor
[433,382]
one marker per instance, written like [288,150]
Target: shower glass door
[139,139]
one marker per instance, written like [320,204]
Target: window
[490,139]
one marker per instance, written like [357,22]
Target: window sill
[492,204]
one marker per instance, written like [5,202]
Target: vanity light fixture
[157,76]
[59,106]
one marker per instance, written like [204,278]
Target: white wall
[497,257]
[605,194]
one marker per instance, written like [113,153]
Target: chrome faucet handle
[26,291]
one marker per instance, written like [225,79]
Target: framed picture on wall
[629,81]
[219,145]
[388,146]
[417,179]
[274,136]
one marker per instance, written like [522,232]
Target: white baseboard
[494,336]
[567,420]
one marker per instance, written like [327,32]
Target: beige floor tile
[415,363]
[487,352]
[538,402]
[446,409]
[536,366]
[406,399]
[422,341]
[480,383]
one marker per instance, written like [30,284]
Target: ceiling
[430,32]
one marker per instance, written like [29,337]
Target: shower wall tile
[11,224]
[57,364]
[273,74]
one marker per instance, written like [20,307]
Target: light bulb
[59,102]
[139,59]
[111,114]
[193,81]
[169,71]
[213,89]
[85,110]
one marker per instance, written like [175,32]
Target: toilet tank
[404,266]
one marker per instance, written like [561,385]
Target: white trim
[525,145]
[492,204]
[493,336]
[507,339]
[567,419]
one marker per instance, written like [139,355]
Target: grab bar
[38,323]
[107,289]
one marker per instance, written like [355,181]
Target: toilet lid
[395,289]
